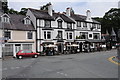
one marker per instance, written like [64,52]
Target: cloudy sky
[97,7]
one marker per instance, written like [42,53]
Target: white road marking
[62,73]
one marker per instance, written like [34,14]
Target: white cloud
[63,0]
[97,8]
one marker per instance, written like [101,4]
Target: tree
[23,11]
[5,6]
[111,20]
[72,11]
[45,7]
[99,19]
[12,11]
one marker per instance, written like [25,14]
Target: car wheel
[35,56]
[20,57]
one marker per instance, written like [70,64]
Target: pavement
[85,65]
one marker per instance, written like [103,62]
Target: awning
[73,45]
[50,45]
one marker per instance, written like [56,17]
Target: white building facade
[63,29]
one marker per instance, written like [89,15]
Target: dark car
[26,53]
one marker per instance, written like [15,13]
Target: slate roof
[63,16]
[16,23]
[42,14]
[78,17]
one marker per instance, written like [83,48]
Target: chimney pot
[68,12]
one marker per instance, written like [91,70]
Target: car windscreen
[28,51]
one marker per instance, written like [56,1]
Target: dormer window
[5,18]
[27,21]
[59,23]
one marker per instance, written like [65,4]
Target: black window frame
[78,24]
[69,27]
[96,36]
[7,34]
[90,35]
[98,26]
[46,25]
[48,35]
[30,35]
[70,36]
[59,21]
[60,33]
[94,25]
[45,35]
[84,35]
[84,24]
[67,36]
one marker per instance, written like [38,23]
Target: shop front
[71,48]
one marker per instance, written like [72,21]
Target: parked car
[26,53]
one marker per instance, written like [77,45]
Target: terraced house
[40,28]
[19,32]
[63,29]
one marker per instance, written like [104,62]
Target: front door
[60,47]
[17,47]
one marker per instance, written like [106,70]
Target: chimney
[68,11]
[88,13]
[50,8]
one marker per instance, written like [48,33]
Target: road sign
[3,40]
